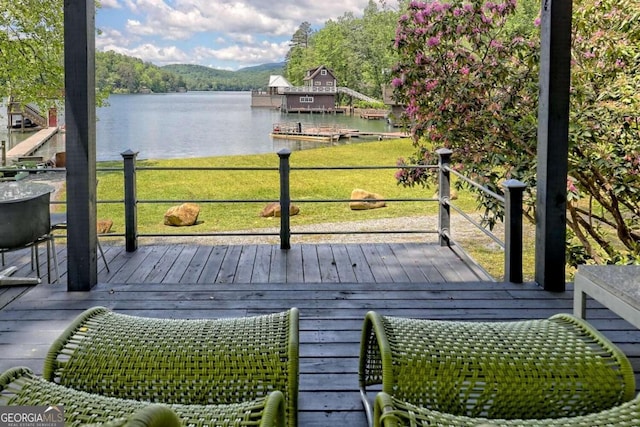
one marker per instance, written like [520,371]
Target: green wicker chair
[176,361]
[391,412]
[19,386]
[153,415]
[534,369]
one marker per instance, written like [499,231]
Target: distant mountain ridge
[118,73]
[200,77]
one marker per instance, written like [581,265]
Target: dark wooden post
[553,144]
[130,201]
[285,199]
[444,194]
[80,121]
[513,230]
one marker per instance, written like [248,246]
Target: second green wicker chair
[391,412]
[534,369]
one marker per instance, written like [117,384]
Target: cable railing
[511,200]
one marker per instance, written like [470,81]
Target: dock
[373,114]
[303,132]
[31,144]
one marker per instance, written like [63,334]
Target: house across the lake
[317,95]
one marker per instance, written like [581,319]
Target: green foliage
[117,73]
[198,77]
[468,76]
[358,50]
[31,50]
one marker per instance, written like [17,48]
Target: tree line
[118,73]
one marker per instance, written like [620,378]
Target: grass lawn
[262,185]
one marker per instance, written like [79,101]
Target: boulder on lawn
[362,199]
[273,209]
[104,226]
[182,215]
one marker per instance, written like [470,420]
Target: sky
[223,34]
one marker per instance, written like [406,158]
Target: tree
[31,50]
[301,36]
[295,59]
[358,50]
[468,77]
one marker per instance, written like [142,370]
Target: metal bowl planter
[24,214]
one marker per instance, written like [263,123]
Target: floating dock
[374,114]
[302,132]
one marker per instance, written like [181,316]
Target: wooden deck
[333,285]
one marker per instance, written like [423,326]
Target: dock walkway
[31,144]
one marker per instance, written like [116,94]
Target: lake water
[199,124]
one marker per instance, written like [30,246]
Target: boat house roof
[278,81]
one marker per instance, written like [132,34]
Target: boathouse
[273,96]
[317,95]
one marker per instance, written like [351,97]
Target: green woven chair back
[550,368]
[391,412]
[21,387]
[178,361]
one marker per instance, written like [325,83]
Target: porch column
[553,144]
[80,118]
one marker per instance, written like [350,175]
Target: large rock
[362,199]
[182,215]
[104,226]
[273,209]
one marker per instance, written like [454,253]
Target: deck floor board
[333,285]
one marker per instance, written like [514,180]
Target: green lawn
[264,185]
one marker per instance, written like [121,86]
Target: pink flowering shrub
[471,84]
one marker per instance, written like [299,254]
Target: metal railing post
[285,199]
[130,201]
[3,148]
[514,191]
[444,194]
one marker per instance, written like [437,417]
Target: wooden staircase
[28,111]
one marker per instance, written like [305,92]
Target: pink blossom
[396,82]
[464,71]
[431,84]
[433,41]
[536,22]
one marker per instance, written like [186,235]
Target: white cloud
[110,4]
[112,37]
[224,33]
[261,53]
